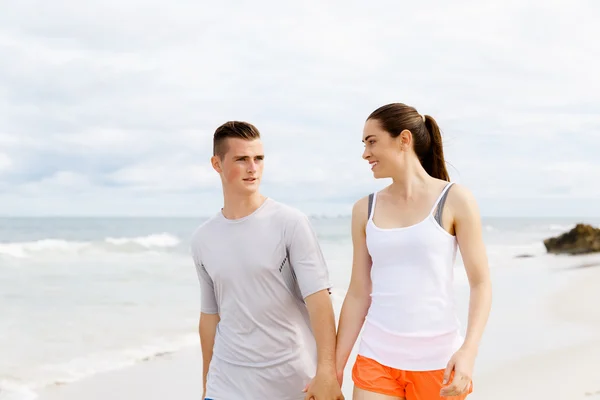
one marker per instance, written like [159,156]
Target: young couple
[267,326]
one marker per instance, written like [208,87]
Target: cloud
[168,175]
[5,162]
[104,101]
[57,183]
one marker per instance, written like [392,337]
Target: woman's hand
[460,369]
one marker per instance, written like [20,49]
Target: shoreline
[174,375]
[541,342]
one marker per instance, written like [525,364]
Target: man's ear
[216,163]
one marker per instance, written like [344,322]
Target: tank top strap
[372,199]
[441,197]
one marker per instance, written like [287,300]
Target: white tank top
[411,324]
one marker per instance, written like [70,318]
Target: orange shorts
[371,376]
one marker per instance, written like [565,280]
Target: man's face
[242,165]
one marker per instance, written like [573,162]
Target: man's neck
[236,206]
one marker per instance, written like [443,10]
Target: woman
[405,239]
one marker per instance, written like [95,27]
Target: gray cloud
[109,107]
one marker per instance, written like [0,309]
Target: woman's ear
[405,139]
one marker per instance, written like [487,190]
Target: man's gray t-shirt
[255,272]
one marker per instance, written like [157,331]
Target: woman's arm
[358,298]
[467,227]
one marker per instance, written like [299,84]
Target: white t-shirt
[255,272]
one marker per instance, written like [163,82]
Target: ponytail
[433,161]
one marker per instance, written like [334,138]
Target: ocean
[80,296]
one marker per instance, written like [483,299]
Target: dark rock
[582,239]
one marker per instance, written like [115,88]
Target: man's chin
[250,187]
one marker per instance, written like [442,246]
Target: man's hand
[323,387]
[461,364]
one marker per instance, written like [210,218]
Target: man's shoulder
[287,213]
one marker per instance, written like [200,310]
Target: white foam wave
[26,249]
[10,390]
[154,242]
[562,228]
[502,252]
[83,367]
[162,240]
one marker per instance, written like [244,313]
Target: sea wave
[558,227]
[154,242]
[10,390]
[92,364]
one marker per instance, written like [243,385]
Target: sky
[107,108]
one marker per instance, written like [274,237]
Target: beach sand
[542,342]
[569,371]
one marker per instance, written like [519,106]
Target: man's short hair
[232,129]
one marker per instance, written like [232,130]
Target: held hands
[324,386]
[461,365]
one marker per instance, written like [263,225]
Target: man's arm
[209,315]
[310,268]
[207,328]
[308,264]
[322,320]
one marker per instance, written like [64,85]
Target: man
[267,327]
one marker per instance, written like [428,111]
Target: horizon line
[190,216]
